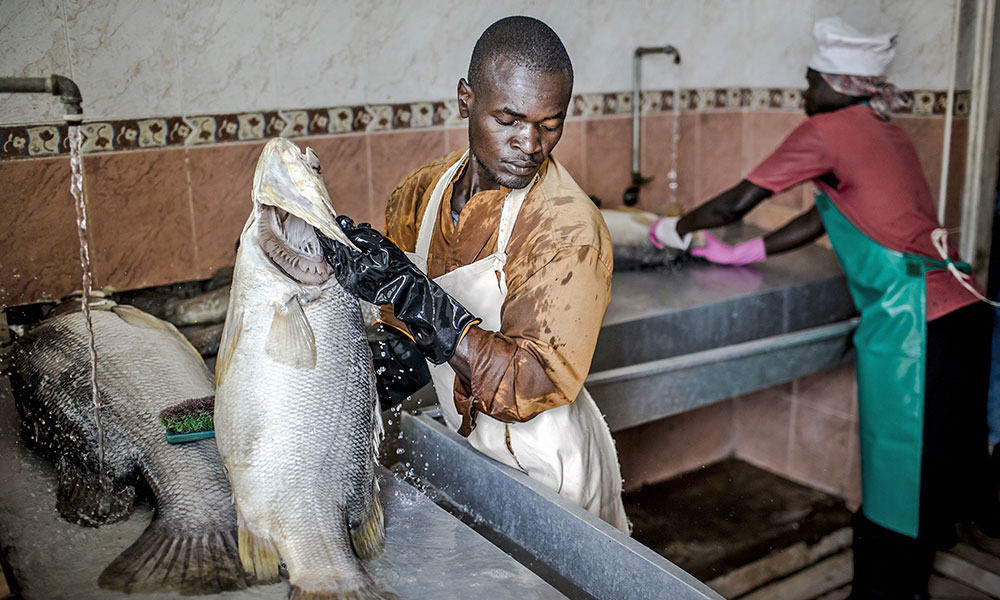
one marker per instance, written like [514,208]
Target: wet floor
[752,535]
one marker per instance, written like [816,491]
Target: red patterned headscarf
[885,97]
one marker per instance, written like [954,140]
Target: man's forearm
[459,361]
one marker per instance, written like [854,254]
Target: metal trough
[580,554]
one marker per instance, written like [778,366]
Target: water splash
[675,139]
[76,188]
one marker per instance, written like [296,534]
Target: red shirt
[879,187]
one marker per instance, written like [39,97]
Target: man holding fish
[506,273]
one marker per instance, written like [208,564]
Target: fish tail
[368,536]
[258,554]
[369,592]
[162,559]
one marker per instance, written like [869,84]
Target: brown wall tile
[720,152]
[141,215]
[956,175]
[820,451]
[763,423]
[852,483]
[926,135]
[344,163]
[393,156]
[569,151]
[221,190]
[39,248]
[456,138]
[834,390]
[762,133]
[662,449]
[655,150]
[607,161]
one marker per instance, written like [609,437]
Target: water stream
[674,143]
[76,188]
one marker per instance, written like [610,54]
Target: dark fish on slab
[633,250]
[144,365]
[296,412]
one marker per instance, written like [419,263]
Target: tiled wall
[169,213]
[806,430]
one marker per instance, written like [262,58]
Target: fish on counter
[144,365]
[296,412]
[633,250]
[204,309]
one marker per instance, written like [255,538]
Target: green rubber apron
[890,348]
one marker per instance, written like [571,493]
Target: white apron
[568,448]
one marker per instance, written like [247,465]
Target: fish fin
[290,340]
[371,592]
[230,339]
[204,562]
[86,498]
[368,533]
[258,554]
[137,318]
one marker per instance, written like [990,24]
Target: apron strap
[939,237]
[426,225]
[508,217]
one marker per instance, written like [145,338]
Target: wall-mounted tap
[632,193]
[57,85]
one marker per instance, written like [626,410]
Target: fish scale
[144,365]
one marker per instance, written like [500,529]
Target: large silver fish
[144,365]
[296,413]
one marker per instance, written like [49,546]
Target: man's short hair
[526,41]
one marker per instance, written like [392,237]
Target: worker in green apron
[923,341]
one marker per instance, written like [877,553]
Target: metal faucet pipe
[57,85]
[632,193]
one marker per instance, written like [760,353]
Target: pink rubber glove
[740,254]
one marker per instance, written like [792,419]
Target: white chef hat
[843,50]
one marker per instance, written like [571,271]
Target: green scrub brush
[189,420]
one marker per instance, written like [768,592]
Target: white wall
[141,58]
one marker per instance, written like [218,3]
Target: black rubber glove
[382,274]
[400,368]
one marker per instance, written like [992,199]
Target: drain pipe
[57,85]
[632,193]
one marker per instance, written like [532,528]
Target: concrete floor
[752,535]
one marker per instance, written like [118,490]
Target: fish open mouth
[292,246]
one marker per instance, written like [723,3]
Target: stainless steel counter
[680,338]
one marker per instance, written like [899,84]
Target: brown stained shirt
[558,277]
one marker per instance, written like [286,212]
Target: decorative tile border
[104,136]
